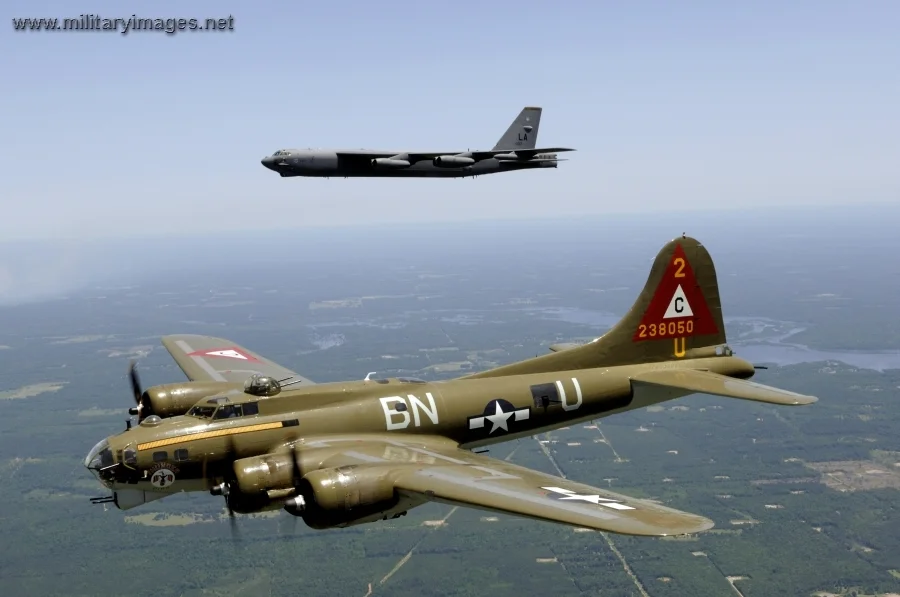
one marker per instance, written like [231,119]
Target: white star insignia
[568,494]
[500,418]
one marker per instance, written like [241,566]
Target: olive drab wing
[346,453]
[204,358]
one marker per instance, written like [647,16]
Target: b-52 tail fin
[523,132]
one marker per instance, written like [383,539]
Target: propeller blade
[760,367]
[235,533]
[230,455]
[135,382]
[297,475]
[203,474]
[229,458]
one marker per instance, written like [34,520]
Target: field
[804,499]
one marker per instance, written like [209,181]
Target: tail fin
[677,314]
[523,132]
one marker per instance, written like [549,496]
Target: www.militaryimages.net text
[124,26]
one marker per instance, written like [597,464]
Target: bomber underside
[421,170]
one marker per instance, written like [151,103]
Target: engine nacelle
[264,473]
[171,400]
[345,496]
[452,161]
[389,163]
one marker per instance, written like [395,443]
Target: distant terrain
[804,500]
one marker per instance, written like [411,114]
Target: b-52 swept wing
[516,150]
[347,453]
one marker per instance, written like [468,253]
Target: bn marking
[396,411]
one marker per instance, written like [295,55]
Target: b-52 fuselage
[345,453]
[516,150]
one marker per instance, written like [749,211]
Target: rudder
[677,312]
[523,132]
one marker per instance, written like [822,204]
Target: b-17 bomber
[516,150]
[353,452]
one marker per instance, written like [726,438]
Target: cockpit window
[130,458]
[226,411]
[203,412]
[229,411]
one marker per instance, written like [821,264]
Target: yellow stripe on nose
[208,434]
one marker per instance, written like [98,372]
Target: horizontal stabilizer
[563,346]
[520,153]
[705,382]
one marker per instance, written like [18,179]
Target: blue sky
[672,107]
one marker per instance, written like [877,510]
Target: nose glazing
[99,456]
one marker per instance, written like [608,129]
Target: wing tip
[703,524]
[804,400]
[683,525]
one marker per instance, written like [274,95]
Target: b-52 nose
[268,162]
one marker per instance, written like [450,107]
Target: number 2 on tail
[679,273]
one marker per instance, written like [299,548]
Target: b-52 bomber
[347,453]
[516,150]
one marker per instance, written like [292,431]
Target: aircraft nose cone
[95,457]
[99,458]
[268,162]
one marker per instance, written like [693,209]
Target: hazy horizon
[769,105]
[39,270]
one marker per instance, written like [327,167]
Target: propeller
[296,477]
[296,474]
[230,479]
[228,483]
[136,390]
